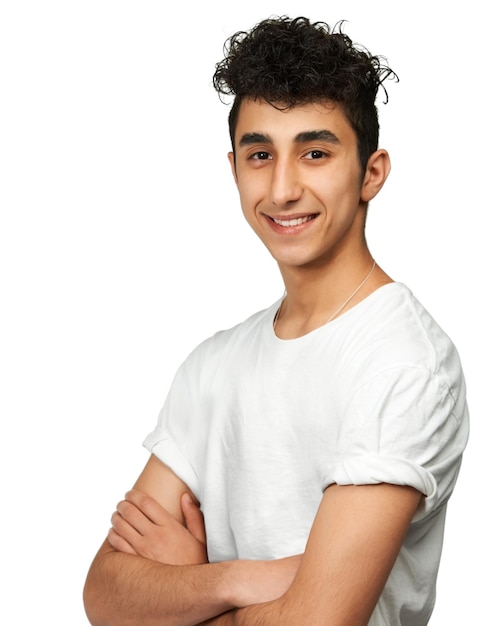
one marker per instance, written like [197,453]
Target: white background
[122,246]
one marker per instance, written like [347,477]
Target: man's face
[299,180]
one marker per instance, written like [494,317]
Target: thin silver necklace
[340,308]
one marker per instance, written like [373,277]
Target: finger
[119,543]
[131,532]
[148,506]
[134,517]
[193,518]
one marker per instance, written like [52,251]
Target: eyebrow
[317,135]
[248,139]
[308,135]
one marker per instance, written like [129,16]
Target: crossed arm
[153,568]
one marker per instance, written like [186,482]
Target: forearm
[269,613]
[127,590]
[124,590]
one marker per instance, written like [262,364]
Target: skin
[152,568]
[304,195]
[352,546]
[303,164]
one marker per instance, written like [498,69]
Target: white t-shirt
[258,427]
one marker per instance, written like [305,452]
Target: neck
[315,297]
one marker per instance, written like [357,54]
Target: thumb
[193,518]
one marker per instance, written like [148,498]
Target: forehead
[258,116]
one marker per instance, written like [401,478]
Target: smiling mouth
[297,221]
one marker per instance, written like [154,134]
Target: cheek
[335,197]
[252,220]
[343,187]
[249,193]
[248,205]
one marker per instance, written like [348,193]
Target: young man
[322,437]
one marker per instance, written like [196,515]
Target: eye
[315,154]
[262,155]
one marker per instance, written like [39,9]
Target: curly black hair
[289,62]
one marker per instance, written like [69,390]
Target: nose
[286,186]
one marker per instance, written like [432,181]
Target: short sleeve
[175,438]
[404,427]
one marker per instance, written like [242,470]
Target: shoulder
[233,340]
[395,330]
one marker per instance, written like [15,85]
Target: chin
[297,261]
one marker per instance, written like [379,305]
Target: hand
[141,526]
[263,581]
[258,583]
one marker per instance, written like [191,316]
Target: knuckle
[138,500]
[121,506]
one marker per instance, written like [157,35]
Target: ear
[231,158]
[377,170]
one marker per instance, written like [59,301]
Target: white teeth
[295,222]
